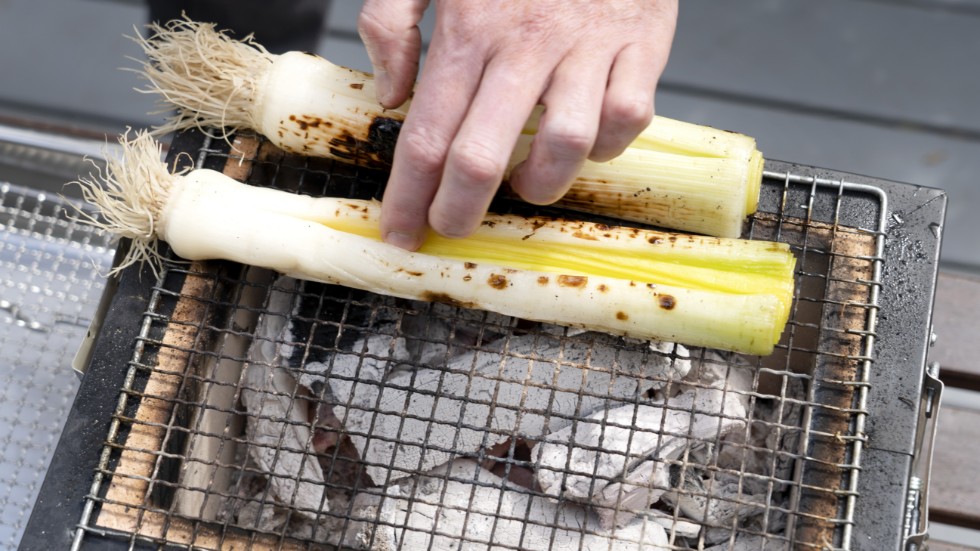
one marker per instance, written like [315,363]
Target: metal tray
[49,290]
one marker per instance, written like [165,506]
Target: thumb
[389,29]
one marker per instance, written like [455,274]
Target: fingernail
[382,83]
[404,240]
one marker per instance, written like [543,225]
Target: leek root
[674,175]
[704,291]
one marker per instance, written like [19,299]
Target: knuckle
[569,137]
[630,112]
[423,150]
[477,163]
[541,187]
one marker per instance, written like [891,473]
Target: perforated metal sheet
[49,288]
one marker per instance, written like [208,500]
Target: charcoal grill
[161,448]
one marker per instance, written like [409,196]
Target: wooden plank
[867,58]
[958,6]
[943,546]
[956,318]
[56,84]
[954,496]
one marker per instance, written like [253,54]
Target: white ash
[404,390]
[772,442]
[277,428]
[462,506]
[411,420]
[711,502]
[750,542]
[434,332]
[674,525]
[618,459]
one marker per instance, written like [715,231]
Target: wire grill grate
[264,412]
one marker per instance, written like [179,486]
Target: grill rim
[78,451]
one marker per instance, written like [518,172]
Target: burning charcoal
[677,525]
[433,330]
[681,366]
[749,542]
[278,428]
[265,517]
[505,458]
[714,507]
[463,500]
[526,385]
[771,446]
[618,459]
[336,453]
[327,431]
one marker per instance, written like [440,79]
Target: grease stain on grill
[572,281]
[667,302]
[497,281]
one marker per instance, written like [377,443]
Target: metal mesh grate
[264,412]
[49,287]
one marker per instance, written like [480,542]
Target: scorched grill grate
[252,411]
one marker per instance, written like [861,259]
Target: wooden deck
[955,495]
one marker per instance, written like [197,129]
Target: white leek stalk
[714,292]
[675,175]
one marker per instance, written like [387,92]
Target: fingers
[594,66]
[566,132]
[389,29]
[441,101]
[628,105]
[482,148]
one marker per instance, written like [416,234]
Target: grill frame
[919,207]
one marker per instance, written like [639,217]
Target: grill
[230,408]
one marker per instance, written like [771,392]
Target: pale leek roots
[705,291]
[675,175]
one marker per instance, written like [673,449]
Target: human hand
[592,64]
